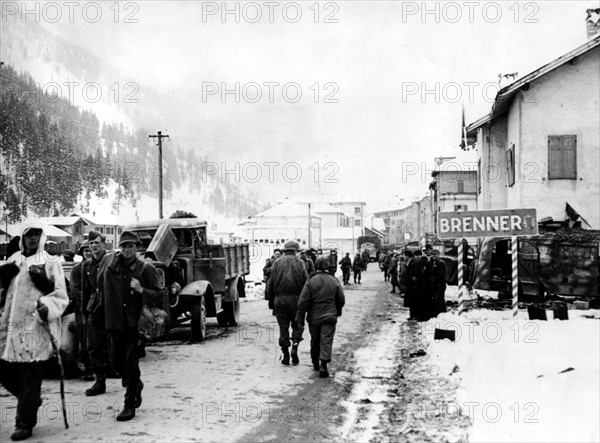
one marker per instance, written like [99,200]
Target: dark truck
[564,262]
[200,279]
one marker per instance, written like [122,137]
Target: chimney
[592,22]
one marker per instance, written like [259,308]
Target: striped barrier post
[515,276]
[461,292]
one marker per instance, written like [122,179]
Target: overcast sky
[371,61]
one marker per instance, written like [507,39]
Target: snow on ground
[522,380]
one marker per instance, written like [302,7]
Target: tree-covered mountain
[54,157]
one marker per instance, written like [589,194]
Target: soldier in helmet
[323,299]
[287,277]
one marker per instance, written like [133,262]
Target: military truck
[200,279]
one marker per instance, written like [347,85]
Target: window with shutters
[510,165]
[562,157]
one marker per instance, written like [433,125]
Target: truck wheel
[232,311]
[198,319]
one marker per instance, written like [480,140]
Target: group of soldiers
[420,278]
[357,266]
[107,291]
[297,288]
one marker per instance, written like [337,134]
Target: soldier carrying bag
[152,320]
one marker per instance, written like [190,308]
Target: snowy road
[229,388]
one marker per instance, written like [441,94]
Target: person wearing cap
[321,301]
[93,314]
[68,255]
[36,297]
[365,258]
[287,278]
[126,283]
[75,296]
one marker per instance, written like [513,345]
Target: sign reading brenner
[492,223]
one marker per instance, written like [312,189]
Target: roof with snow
[62,221]
[505,95]
[103,219]
[286,209]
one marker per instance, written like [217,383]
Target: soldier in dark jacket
[386,266]
[423,300]
[310,265]
[366,256]
[346,264]
[393,271]
[323,299]
[75,296]
[357,267]
[126,284]
[438,283]
[409,285]
[93,313]
[288,275]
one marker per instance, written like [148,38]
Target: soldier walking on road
[357,267]
[366,256]
[393,271]
[126,284]
[33,297]
[310,265]
[386,266]
[323,299]
[288,275]
[346,264]
[75,295]
[93,314]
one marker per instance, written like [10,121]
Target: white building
[539,146]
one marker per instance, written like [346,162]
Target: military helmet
[322,263]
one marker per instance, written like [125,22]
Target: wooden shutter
[569,159]
[510,165]
[562,157]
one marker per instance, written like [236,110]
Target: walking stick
[61,371]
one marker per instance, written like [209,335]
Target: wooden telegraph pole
[160,186]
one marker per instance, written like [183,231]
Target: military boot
[286,355]
[98,388]
[323,372]
[295,359]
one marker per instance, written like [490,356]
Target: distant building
[409,223]
[538,147]
[453,191]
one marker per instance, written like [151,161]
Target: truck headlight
[175,288]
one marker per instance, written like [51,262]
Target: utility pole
[160,186]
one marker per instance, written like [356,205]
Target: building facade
[538,147]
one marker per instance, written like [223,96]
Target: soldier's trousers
[97,345]
[24,381]
[322,332]
[81,321]
[125,358]
[285,307]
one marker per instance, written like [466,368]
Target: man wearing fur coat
[32,292]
